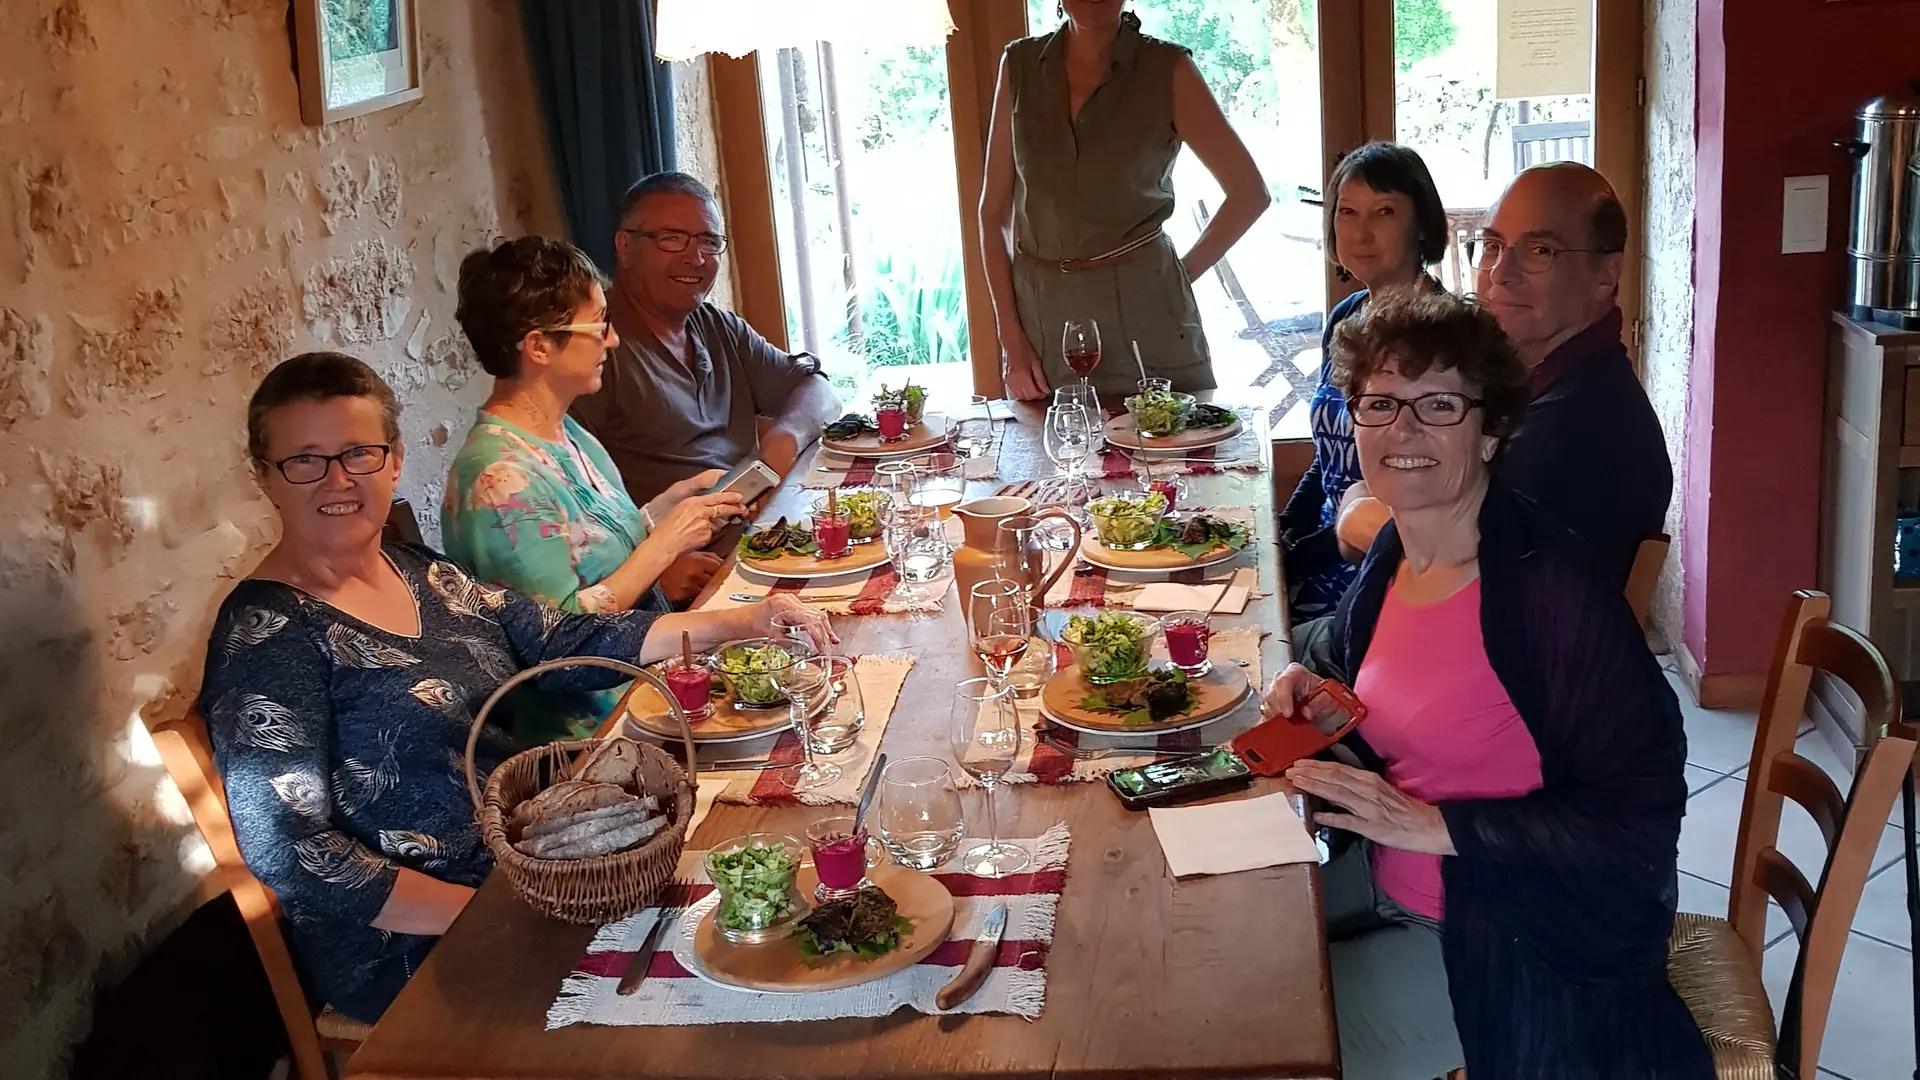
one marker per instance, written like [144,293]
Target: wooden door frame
[1619,140]
[982,30]
[746,194]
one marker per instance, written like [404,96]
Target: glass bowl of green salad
[752,669]
[866,508]
[1128,522]
[1158,413]
[1112,646]
[755,877]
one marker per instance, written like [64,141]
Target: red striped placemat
[672,994]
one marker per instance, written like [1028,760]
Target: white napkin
[1172,596]
[1226,837]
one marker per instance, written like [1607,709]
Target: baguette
[578,827]
[564,798]
[554,825]
[611,841]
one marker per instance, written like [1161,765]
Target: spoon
[866,794]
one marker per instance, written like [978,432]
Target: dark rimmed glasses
[354,461]
[673,241]
[1434,410]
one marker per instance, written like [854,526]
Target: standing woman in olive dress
[1087,121]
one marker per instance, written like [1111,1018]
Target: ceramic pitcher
[1015,554]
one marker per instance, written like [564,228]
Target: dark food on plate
[867,924]
[777,539]
[1159,696]
[1197,535]
[851,426]
[1204,416]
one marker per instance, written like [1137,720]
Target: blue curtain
[608,106]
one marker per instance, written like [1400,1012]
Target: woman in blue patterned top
[342,677]
[1385,225]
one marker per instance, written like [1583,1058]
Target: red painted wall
[1779,81]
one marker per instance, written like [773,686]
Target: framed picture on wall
[356,57]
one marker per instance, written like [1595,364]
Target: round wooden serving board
[924,435]
[1121,432]
[777,966]
[788,565]
[1165,558]
[1220,692]
[646,709]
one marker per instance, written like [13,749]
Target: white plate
[1155,733]
[754,572]
[683,944]
[633,729]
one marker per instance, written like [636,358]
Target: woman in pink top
[1509,906]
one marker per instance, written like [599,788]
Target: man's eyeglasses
[604,329]
[673,241]
[354,461]
[1434,410]
[1529,256]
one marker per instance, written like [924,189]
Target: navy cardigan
[1560,902]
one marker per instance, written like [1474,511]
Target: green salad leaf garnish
[777,539]
[755,883]
[1211,416]
[863,513]
[1199,535]
[1124,520]
[746,665]
[1160,412]
[1110,645]
[1160,696]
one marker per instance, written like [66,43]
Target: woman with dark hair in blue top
[1385,225]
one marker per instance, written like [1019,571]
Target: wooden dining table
[1148,976]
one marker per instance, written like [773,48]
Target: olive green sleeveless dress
[1086,186]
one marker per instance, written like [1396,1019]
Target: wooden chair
[401,527]
[1646,574]
[1715,964]
[187,752]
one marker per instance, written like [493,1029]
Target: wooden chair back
[187,751]
[1645,574]
[401,527]
[1852,825]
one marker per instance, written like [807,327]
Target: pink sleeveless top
[1444,725]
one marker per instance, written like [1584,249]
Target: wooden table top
[1148,977]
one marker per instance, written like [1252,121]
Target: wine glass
[997,623]
[1080,344]
[1081,394]
[840,713]
[1068,437]
[792,626]
[809,690]
[971,436]
[984,729]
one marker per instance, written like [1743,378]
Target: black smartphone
[1169,783]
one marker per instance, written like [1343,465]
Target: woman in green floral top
[533,502]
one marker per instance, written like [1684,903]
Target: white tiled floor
[1870,1027]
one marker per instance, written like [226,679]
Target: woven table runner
[843,471]
[854,594]
[880,680]
[672,995]
[1046,762]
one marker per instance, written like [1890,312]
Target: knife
[979,961]
[638,963]
[748,765]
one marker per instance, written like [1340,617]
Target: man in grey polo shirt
[689,382]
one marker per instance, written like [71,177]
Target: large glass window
[860,150]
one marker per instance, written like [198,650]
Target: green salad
[1123,521]
[863,513]
[1108,647]
[745,667]
[755,883]
[1160,412]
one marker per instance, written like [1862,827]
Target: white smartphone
[751,478]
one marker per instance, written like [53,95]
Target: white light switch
[1803,225]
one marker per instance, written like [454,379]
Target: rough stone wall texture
[1667,319]
[696,148]
[172,229]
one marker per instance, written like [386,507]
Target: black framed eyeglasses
[1528,256]
[354,461]
[673,241]
[1434,410]
[602,329]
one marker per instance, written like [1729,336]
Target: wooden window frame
[1357,104]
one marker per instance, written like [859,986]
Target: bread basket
[600,889]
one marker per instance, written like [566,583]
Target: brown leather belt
[1106,258]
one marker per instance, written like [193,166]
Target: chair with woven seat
[187,752]
[1715,964]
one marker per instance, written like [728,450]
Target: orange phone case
[1270,747]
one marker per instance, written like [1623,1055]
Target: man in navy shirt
[1590,448]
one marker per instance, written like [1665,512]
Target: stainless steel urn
[1883,247]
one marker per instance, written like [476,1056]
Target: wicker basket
[604,888]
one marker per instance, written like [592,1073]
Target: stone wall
[1667,319]
[173,229]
